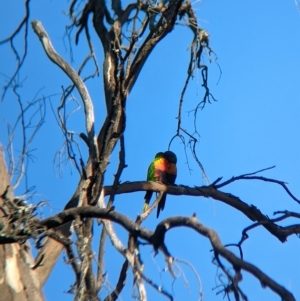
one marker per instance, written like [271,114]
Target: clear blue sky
[255,124]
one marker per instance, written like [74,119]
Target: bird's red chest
[160,169]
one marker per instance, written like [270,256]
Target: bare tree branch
[162,28]
[75,78]
[237,263]
[10,39]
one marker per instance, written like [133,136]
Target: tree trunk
[18,280]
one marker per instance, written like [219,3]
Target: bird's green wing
[156,171]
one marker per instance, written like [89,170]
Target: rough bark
[18,280]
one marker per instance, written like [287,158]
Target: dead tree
[124,59]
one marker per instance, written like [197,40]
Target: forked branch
[76,79]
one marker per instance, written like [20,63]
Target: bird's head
[159,155]
[170,156]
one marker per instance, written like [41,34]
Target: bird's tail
[147,199]
[161,204]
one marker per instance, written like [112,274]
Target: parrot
[172,169]
[171,174]
[157,173]
[162,169]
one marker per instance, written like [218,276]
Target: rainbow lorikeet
[171,174]
[157,173]
[163,169]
